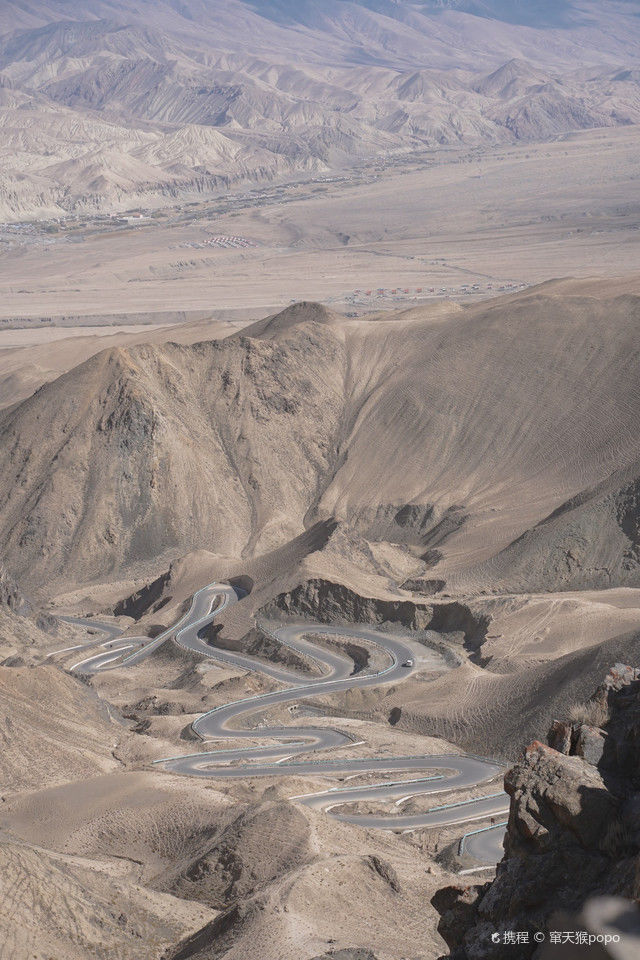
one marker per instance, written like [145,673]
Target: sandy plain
[510,215]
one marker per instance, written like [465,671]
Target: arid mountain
[158,446]
[105,106]
[423,32]
[498,414]
[591,541]
[412,534]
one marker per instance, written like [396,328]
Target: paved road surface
[486,845]
[285,743]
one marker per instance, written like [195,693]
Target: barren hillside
[497,414]
[592,540]
[424,472]
[155,448]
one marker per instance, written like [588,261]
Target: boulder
[552,794]
[590,743]
[457,906]
[559,736]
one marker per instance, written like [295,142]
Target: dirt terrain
[150,470]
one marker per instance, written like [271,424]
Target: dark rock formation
[385,871]
[327,602]
[415,524]
[457,906]
[423,586]
[148,598]
[573,833]
[15,602]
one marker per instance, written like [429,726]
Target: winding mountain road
[285,743]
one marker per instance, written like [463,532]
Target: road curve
[278,757]
[205,604]
[486,845]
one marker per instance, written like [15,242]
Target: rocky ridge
[143,453]
[573,833]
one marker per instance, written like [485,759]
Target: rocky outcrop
[458,618]
[457,905]
[328,602]
[148,598]
[14,604]
[258,643]
[606,732]
[573,832]
[424,586]
[421,525]
[10,594]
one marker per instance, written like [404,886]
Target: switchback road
[278,757]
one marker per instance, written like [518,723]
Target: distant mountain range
[534,13]
[107,104]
